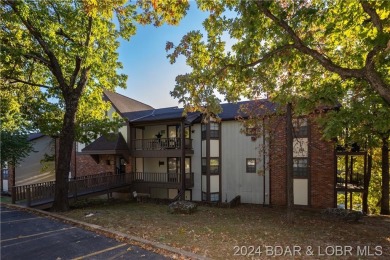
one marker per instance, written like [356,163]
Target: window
[204,131]
[300,127]
[251,165]
[300,167]
[204,196]
[204,165]
[214,166]
[214,197]
[214,130]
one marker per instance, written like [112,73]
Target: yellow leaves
[104,8]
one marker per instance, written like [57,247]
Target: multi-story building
[214,160]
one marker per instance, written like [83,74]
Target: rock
[343,214]
[182,207]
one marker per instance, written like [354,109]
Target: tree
[68,50]
[286,45]
[363,118]
[14,147]
[304,52]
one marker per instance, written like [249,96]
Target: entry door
[173,169]
[172,136]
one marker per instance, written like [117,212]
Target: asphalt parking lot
[25,235]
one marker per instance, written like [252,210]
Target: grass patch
[6,199]
[214,232]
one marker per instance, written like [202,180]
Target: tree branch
[260,60]
[75,72]
[269,55]
[374,17]
[300,46]
[27,83]
[55,67]
[37,57]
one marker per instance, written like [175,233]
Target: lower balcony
[163,180]
[162,147]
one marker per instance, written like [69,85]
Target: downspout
[183,161]
[75,160]
[264,163]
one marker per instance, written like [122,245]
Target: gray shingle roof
[230,111]
[34,136]
[110,142]
[124,104]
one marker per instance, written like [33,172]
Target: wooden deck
[41,195]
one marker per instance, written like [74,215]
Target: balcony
[162,147]
[164,180]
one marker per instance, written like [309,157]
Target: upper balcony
[161,147]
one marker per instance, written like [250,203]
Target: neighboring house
[34,168]
[215,161]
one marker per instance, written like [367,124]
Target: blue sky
[150,75]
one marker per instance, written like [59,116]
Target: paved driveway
[28,236]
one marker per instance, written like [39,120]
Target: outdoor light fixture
[160,163]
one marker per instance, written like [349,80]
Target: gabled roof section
[112,143]
[230,111]
[33,136]
[124,104]
[162,114]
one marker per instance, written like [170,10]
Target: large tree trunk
[385,177]
[65,146]
[367,180]
[289,171]
[1,178]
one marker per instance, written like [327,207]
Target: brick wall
[321,166]
[86,165]
[322,175]
[278,160]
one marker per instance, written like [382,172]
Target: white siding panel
[214,148]
[301,191]
[151,131]
[204,148]
[236,147]
[30,169]
[214,183]
[196,162]
[123,131]
[152,165]
[172,193]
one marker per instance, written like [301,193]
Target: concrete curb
[138,241]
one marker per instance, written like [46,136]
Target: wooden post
[13,194]
[289,161]
[28,196]
[183,161]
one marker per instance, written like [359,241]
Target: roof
[124,104]
[34,136]
[113,142]
[161,114]
[230,111]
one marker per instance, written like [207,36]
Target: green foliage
[14,146]
[62,54]
[303,52]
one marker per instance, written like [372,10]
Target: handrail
[94,183]
[161,143]
[80,185]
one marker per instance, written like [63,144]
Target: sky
[150,75]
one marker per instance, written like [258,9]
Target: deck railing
[161,144]
[160,177]
[94,183]
[76,187]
